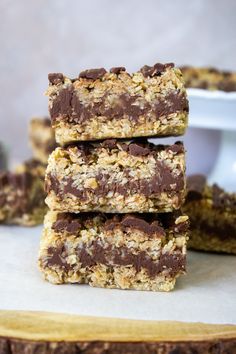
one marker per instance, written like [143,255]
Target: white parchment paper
[206,294]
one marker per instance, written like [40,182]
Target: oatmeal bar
[22,195]
[209,78]
[212,213]
[115,176]
[132,251]
[115,104]
[42,138]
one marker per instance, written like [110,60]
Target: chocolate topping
[56,78]
[117,70]
[109,144]
[155,70]
[137,147]
[138,150]
[92,74]
[177,148]
[142,225]
[150,223]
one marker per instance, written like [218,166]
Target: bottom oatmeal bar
[22,194]
[212,214]
[142,252]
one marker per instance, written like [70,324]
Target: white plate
[206,294]
[212,109]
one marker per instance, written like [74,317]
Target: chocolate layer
[163,181]
[171,263]
[67,106]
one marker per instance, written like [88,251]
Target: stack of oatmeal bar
[22,192]
[115,198]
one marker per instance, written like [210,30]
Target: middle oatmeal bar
[116,176]
[100,104]
[132,251]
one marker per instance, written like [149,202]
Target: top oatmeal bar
[115,104]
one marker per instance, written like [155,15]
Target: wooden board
[42,332]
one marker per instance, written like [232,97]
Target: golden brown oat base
[42,138]
[100,124]
[118,168]
[23,201]
[209,78]
[103,257]
[100,128]
[50,333]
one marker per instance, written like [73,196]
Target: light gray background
[41,36]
